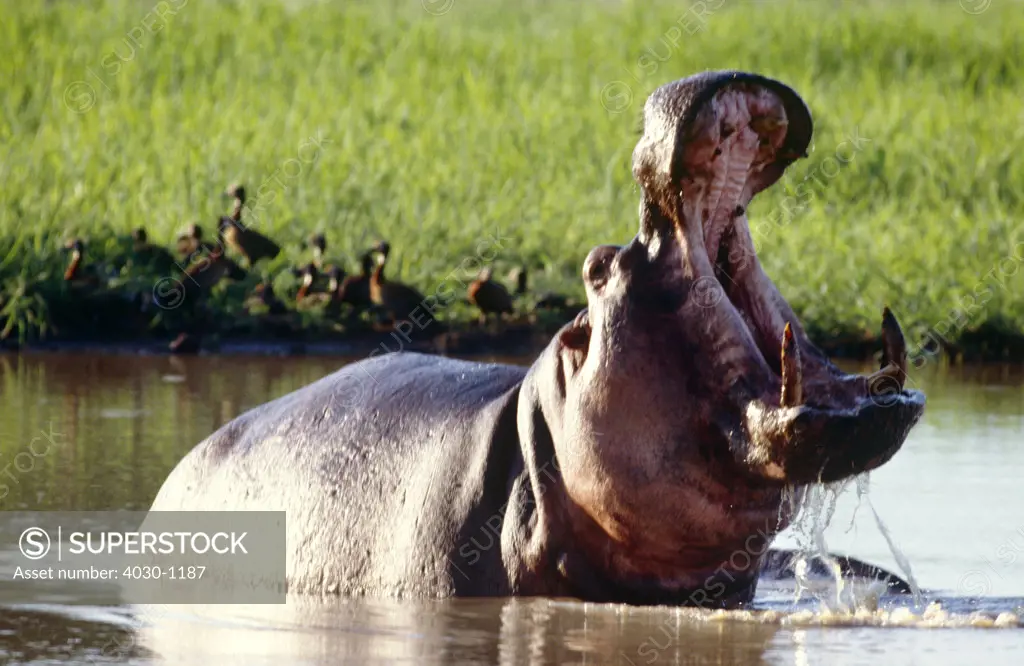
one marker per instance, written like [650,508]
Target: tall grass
[440,129]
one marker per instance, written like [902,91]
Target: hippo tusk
[792,387]
[894,346]
[889,370]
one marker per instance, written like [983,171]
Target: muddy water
[952,500]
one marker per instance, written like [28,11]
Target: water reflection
[118,424]
[490,631]
[124,421]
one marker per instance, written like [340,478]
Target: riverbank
[514,340]
[510,124]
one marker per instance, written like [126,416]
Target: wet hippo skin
[645,457]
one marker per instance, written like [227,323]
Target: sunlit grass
[436,130]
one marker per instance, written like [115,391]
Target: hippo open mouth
[711,143]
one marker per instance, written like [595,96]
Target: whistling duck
[237,192]
[308,274]
[191,242]
[553,301]
[518,275]
[546,301]
[393,297]
[490,296]
[355,289]
[318,243]
[335,275]
[272,314]
[251,244]
[77,273]
[263,297]
[204,274]
[330,299]
[93,308]
[148,255]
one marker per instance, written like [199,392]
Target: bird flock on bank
[325,286]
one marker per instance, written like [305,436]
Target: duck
[79,274]
[148,255]
[553,301]
[191,242]
[271,313]
[330,299]
[263,298]
[205,274]
[253,245]
[519,277]
[93,307]
[308,275]
[318,243]
[237,192]
[395,298]
[335,275]
[546,301]
[488,295]
[355,289]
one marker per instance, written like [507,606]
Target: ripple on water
[933,616]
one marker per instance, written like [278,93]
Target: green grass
[443,128]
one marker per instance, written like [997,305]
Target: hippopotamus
[649,455]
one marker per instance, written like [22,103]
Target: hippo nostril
[597,272]
[597,268]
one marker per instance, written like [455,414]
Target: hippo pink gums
[642,458]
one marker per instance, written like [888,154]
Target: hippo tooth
[890,370]
[582,320]
[792,388]
[894,346]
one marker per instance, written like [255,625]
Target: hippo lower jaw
[808,444]
[790,415]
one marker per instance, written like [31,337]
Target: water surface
[102,432]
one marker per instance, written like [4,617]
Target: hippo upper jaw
[710,144]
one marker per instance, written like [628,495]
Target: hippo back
[381,467]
